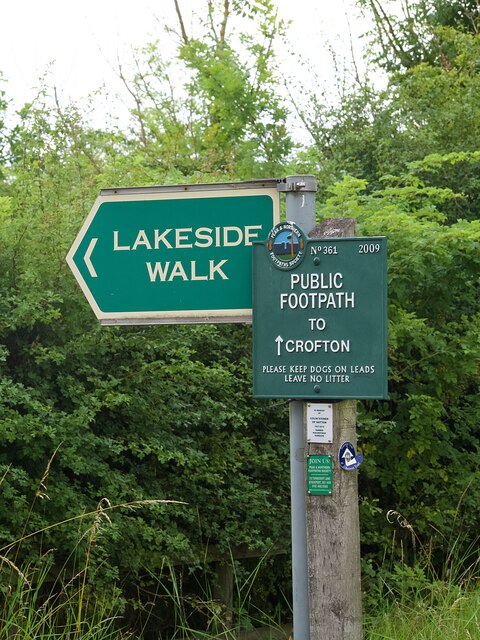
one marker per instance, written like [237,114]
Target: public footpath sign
[173,254]
[320,316]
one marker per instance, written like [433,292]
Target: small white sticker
[319,422]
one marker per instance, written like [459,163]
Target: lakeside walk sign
[320,319]
[173,254]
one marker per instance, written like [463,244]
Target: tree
[93,416]
[421,446]
[404,161]
[416,36]
[219,112]
[427,110]
[3,107]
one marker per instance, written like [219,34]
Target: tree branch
[143,133]
[72,130]
[185,38]
[223,26]
[212,24]
[352,52]
[385,27]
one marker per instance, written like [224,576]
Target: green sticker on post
[319,475]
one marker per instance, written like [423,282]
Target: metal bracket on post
[300,200]
[298,183]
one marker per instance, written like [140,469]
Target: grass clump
[447,613]
[40,600]
[32,607]
[425,601]
[191,604]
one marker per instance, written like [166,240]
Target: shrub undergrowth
[403,599]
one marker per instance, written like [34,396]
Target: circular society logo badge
[286,245]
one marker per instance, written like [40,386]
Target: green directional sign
[173,254]
[320,326]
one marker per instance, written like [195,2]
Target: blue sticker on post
[347,457]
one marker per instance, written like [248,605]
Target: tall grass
[426,602]
[30,612]
[448,613]
[409,602]
[36,605]
[197,611]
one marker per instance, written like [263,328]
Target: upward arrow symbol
[279,341]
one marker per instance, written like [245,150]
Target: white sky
[82,40]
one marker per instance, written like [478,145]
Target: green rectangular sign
[173,254]
[320,328]
[319,475]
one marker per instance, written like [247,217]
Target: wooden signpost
[333,529]
[320,334]
[183,254]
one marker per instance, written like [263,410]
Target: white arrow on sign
[87,255]
[279,341]
[349,457]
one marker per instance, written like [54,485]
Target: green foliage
[185,605]
[455,615]
[213,110]
[148,413]
[139,414]
[413,152]
[131,414]
[421,444]
[415,35]
[458,171]
[413,600]
[3,107]
[39,600]
[429,110]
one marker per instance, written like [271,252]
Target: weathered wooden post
[333,531]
